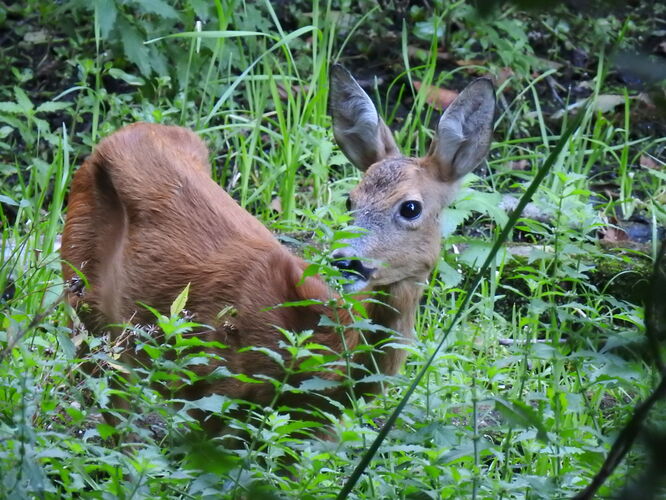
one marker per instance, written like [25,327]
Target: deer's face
[396,207]
[395,210]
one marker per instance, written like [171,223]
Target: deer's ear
[464,132]
[359,131]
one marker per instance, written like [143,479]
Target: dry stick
[538,178]
[655,330]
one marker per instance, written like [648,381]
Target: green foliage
[545,365]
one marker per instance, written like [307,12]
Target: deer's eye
[410,210]
[348,204]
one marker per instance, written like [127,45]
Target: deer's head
[397,205]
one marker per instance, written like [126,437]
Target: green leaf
[10,107]
[133,46]
[179,304]
[105,430]
[318,384]
[449,275]
[377,377]
[213,403]
[451,219]
[66,344]
[52,453]
[51,106]
[5,131]
[158,7]
[128,78]
[152,351]
[106,16]
[7,200]
[23,100]
[158,61]
[488,203]
[522,415]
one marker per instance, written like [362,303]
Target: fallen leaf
[276,204]
[503,75]
[437,97]
[547,63]
[284,92]
[520,164]
[607,102]
[470,62]
[645,98]
[613,232]
[662,47]
[35,37]
[648,162]
[424,54]
[604,103]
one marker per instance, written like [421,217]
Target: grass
[497,414]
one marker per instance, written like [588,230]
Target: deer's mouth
[356,272]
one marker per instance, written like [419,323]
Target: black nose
[351,267]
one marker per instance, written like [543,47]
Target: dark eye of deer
[410,210]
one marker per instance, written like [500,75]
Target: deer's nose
[351,266]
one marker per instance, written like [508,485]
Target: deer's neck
[397,312]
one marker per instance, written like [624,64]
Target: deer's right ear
[359,131]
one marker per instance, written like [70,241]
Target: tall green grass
[531,385]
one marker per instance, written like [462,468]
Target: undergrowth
[546,363]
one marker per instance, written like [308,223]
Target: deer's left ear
[464,132]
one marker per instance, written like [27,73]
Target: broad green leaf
[449,276]
[5,131]
[51,106]
[107,14]
[377,377]
[23,100]
[133,46]
[128,78]
[10,107]
[317,384]
[7,200]
[522,415]
[451,219]
[212,403]
[66,344]
[488,203]
[179,304]
[158,7]
[53,453]
[105,430]
[152,351]
[158,61]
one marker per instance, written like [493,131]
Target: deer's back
[145,219]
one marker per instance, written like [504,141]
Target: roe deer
[145,219]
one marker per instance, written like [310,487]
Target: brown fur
[145,219]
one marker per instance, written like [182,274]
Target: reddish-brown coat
[145,219]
